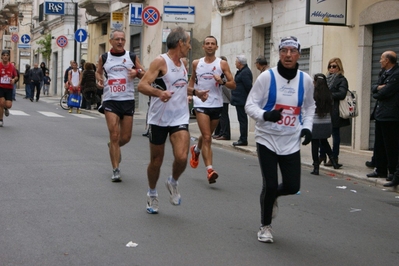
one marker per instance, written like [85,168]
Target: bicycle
[64,101]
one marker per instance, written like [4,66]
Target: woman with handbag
[338,86]
[321,130]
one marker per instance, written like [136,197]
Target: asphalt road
[59,207]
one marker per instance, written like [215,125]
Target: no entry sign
[150,15]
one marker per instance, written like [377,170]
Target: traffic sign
[179,14]
[62,41]
[25,38]
[81,35]
[135,12]
[15,38]
[150,15]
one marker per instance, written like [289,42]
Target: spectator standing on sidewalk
[261,63]
[166,81]
[88,85]
[223,131]
[8,77]
[73,81]
[208,73]
[243,79]
[116,72]
[338,86]
[27,82]
[36,78]
[386,115]
[46,83]
[281,102]
[322,127]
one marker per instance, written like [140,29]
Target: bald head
[391,56]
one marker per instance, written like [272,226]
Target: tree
[45,47]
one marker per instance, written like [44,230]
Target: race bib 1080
[117,85]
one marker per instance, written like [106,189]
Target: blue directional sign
[81,35]
[187,10]
[25,38]
[179,14]
[54,8]
[135,14]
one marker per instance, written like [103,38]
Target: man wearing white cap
[281,102]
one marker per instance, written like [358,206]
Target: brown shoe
[222,138]
[215,136]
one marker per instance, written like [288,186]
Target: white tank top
[75,77]
[205,81]
[175,111]
[118,86]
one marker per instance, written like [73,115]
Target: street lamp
[21,18]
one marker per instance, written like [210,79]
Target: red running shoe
[194,160]
[212,176]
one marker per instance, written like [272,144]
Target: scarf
[287,73]
[330,80]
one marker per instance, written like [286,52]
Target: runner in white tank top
[175,112]
[205,81]
[116,74]
[209,73]
[117,86]
[166,83]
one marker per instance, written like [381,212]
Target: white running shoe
[6,112]
[265,234]
[116,176]
[152,204]
[174,192]
[275,209]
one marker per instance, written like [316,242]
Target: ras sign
[54,8]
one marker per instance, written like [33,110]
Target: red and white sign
[150,15]
[62,41]
[15,38]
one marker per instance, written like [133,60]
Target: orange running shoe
[212,176]
[194,160]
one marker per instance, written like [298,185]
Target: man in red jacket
[8,77]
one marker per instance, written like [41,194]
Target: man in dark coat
[386,115]
[243,79]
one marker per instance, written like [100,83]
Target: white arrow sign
[179,9]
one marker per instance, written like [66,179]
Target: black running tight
[290,167]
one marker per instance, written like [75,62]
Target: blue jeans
[336,137]
[28,91]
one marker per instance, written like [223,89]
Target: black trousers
[38,88]
[386,146]
[223,128]
[316,143]
[243,120]
[290,167]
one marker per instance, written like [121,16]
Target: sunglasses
[332,66]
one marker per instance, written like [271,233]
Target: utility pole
[75,44]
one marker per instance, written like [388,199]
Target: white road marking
[50,114]
[17,112]
[83,116]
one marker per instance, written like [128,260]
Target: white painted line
[50,114]
[83,116]
[17,112]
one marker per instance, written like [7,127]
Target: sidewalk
[353,162]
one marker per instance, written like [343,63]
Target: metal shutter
[385,37]
[266,51]
[304,60]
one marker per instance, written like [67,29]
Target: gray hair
[175,36]
[111,36]
[242,59]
